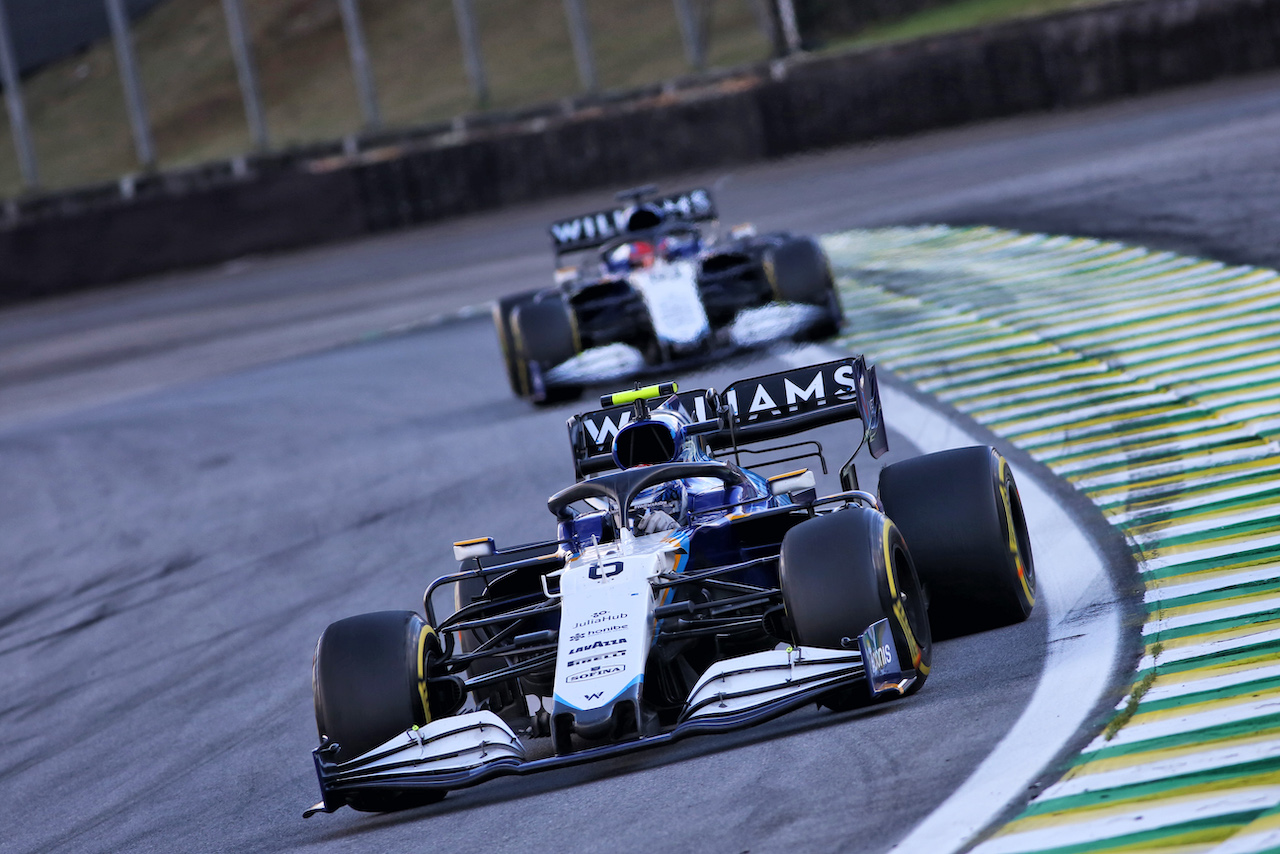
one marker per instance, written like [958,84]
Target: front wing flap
[461,751]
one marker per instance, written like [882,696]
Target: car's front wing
[461,751]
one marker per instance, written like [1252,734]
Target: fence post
[691,34]
[365,89]
[17,109]
[469,35]
[133,96]
[581,36]
[770,21]
[790,28]
[242,53]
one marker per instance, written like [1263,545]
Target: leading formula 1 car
[650,284]
[683,593]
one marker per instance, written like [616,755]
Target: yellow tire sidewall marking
[1006,502]
[900,612]
[422,670]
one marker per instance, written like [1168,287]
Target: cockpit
[650,238]
[665,477]
[628,494]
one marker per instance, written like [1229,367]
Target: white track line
[1209,683]
[1230,549]
[1199,618]
[1264,572]
[1107,829]
[1225,712]
[1162,769]
[1221,646]
[1255,842]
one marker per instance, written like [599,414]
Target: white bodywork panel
[738,684]
[448,744]
[755,326]
[670,290]
[606,619]
[612,361]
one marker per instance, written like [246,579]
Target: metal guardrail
[694,29]
[373,142]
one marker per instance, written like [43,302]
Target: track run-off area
[1148,380]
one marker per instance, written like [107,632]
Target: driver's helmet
[684,244]
[659,508]
[636,255]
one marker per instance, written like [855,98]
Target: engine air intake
[644,443]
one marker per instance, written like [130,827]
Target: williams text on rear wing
[757,409]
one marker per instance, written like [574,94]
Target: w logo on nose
[596,696]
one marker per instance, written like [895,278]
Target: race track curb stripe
[1148,380]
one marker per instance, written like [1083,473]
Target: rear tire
[545,334]
[799,272]
[962,518]
[366,678]
[502,311]
[843,572]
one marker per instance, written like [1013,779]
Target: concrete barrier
[65,242]
[56,254]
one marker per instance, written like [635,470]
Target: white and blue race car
[683,593]
[654,283]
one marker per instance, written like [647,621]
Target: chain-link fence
[184,81]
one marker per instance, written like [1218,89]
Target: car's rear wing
[595,229]
[758,409]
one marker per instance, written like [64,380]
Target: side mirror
[482,547]
[792,481]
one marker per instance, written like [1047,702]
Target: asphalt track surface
[197,479]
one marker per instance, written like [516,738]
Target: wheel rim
[911,598]
[1013,526]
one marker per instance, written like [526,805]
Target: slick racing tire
[799,272]
[962,518]
[545,334]
[369,683]
[502,311]
[842,572]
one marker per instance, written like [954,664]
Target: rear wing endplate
[758,409]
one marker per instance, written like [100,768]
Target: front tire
[798,272]
[545,334]
[842,572]
[502,312]
[369,682]
[962,518]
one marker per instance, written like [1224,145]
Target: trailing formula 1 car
[650,284]
[683,593]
